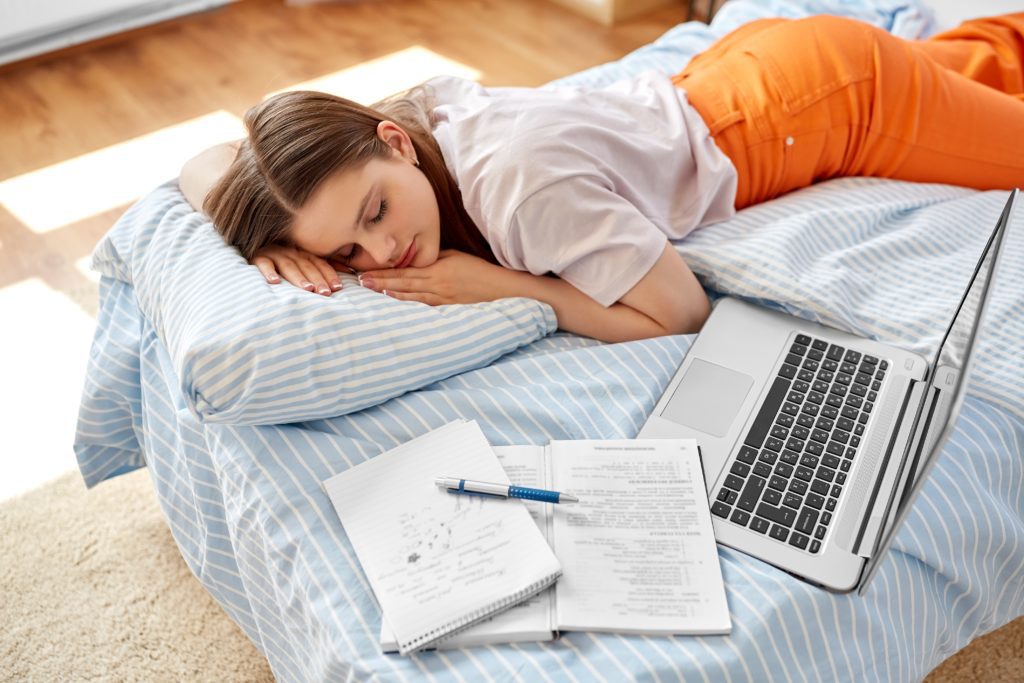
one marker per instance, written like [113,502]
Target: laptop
[815,441]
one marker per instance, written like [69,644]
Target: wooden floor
[91,98]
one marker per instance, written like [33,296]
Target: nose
[381,248]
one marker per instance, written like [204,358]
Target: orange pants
[792,102]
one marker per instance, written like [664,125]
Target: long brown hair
[298,139]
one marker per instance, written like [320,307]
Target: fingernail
[273,278]
[335,285]
[307,285]
[368,282]
[324,290]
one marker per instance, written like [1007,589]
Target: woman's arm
[201,172]
[667,300]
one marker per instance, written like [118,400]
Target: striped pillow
[247,352]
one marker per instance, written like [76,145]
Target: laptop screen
[946,382]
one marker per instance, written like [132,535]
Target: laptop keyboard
[795,460]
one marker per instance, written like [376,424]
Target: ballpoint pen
[480,488]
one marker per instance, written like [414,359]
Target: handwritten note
[438,562]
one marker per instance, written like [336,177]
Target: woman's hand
[301,268]
[455,278]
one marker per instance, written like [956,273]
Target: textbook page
[439,562]
[530,620]
[638,551]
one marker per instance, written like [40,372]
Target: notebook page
[530,620]
[436,561]
[638,551]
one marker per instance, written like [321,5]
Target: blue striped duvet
[880,258]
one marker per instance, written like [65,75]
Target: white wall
[31,27]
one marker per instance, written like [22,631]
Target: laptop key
[766,415]
[804,473]
[852,356]
[819,533]
[760,525]
[721,509]
[819,344]
[815,546]
[831,505]
[784,516]
[816,501]
[751,491]
[794,501]
[739,469]
[777,483]
[835,352]
[763,469]
[798,349]
[788,371]
[798,540]
[747,455]
[779,533]
[820,487]
[733,482]
[803,340]
[740,517]
[798,487]
[808,518]
[771,496]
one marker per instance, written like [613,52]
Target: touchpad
[708,397]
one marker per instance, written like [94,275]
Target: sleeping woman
[455,193]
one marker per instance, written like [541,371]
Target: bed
[239,413]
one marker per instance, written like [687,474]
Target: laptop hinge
[890,472]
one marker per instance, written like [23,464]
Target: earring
[416,163]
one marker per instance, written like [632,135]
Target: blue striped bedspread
[880,258]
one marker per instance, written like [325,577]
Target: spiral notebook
[439,563]
[638,551]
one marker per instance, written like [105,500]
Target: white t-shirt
[583,183]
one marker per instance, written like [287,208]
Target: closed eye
[346,254]
[380,213]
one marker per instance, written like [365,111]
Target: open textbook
[638,551]
[438,563]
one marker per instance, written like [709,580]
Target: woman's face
[378,216]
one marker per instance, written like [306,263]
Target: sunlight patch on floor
[43,361]
[77,188]
[374,80]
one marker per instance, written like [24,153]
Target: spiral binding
[461,624]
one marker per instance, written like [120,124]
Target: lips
[408,256]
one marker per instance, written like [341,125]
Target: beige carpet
[93,588]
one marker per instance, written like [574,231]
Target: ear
[396,138]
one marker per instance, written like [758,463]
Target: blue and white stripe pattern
[882,258]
